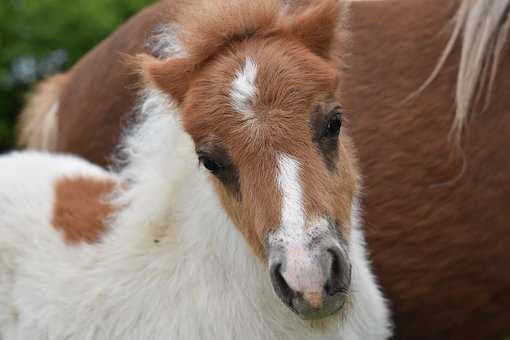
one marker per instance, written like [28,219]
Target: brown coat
[437,221]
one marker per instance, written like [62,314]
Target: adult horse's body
[438,217]
[437,213]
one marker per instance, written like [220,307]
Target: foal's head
[258,91]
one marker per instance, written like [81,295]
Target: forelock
[244,89]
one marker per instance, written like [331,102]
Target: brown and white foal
[189,251]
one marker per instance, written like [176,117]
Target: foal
[236,216]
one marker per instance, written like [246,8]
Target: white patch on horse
[244,90]
[301,272]
[293,215]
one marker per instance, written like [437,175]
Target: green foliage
[41,37]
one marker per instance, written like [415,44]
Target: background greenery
[41,37]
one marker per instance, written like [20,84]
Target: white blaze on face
[301,272]
[244,90]
[293,214]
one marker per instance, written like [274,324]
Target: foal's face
[267,126]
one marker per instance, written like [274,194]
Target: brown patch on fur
[81,208]
[37,127]
[345,185]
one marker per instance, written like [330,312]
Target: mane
[208,26]
[482,28]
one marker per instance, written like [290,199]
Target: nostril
[280,285]
[339,276]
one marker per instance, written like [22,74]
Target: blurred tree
[41,37]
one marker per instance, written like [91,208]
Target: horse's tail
[37,125]
[482,28]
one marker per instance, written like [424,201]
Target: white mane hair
[485,25]
[482,27]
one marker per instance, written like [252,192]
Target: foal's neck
[169,203]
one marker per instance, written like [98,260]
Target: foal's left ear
[170,75]
[317,26]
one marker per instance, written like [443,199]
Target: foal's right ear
[171,75]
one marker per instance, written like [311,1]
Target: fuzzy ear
[317,25]
[172,75]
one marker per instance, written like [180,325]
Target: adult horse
[435,203]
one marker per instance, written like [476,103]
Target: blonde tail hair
[37,125]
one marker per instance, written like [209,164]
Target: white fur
[369,313]
[244,89]
[200,280]
[293,214]
[481,30]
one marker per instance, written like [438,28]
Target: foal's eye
[334,123]
[210,164]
